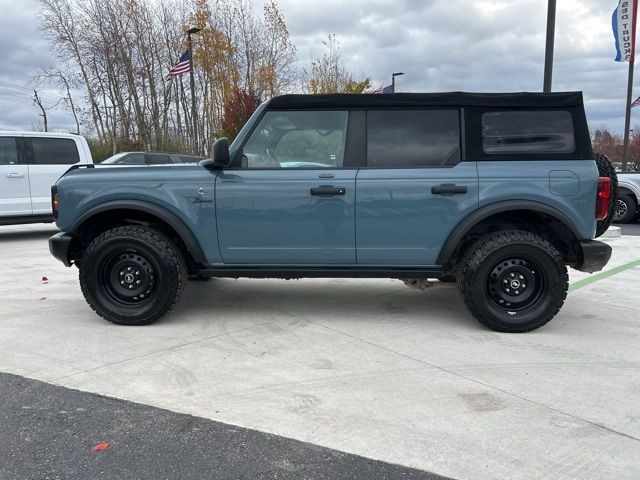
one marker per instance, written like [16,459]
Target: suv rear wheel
[132,275]
[513,281]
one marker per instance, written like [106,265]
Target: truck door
[291,201]
[414,189]
[15,198]
[48,159]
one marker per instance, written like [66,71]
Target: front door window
[297,139]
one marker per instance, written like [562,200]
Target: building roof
[444,99]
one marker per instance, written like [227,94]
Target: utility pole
[548,53]
[194,118]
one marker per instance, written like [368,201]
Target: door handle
[328,190]
[449,189]
[14,175]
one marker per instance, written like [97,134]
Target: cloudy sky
[441,45]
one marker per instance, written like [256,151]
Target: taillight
[54,201]
[603,198]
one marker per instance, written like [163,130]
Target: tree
[237,110]
[328,74]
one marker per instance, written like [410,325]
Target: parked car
[499,192]
[149,158]
[30,163]
[628,197]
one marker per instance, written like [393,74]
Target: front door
[414,189]
[15,197]
[291,201]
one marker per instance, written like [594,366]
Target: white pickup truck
[30,162]
[628,197]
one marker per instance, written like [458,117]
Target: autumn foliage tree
[328,73]
[612,146]
[237,109]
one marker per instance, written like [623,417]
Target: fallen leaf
[45,279]
[43,298]
[101,446]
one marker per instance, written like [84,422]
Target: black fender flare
[181,229]
[467,223]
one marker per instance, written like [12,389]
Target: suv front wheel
[513,281]
[132,275]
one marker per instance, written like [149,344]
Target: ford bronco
[497,192]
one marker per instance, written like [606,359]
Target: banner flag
[623,23]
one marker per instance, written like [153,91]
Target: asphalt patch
[51,432]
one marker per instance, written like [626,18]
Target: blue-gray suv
[497,192]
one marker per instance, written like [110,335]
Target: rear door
[292,201]
[48,159]
[15,197]
[415,188]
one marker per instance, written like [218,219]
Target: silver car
[628,197]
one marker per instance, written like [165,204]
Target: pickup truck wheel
[132,275]
[625,209]
[513,281]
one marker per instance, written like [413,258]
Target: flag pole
[194,119]
[627,116]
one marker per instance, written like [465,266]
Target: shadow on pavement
[13,235]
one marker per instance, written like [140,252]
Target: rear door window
[8,151]
[413,138]
[54,151]
[527,132]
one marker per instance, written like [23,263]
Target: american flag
[183,65]
[387,89]
[636,102]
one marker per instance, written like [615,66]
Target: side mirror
[219,155]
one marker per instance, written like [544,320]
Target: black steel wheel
[513,281]
[132,275]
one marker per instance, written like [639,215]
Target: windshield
[114,158]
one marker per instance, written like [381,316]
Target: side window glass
[8,151]
[413,138]
[522,132]
[298,139]
[133,159]
[54,151]
[158,159]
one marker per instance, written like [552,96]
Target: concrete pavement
[368,367]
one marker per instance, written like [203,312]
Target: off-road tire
[477,283]
[606,169]
[157,266]
[631,208]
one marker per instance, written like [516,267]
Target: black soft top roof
[448,99]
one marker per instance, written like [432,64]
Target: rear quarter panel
[174,188]
[566,185]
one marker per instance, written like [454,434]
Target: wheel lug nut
[138,282]
[520,277]
[121,282]
[137,272]
[512,275]
[129,269]
[524,286]
[130,286]
[517,292]
[504,281]
[507,290]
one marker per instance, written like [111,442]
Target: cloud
[441,45]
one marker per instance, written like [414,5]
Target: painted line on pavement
[602,275]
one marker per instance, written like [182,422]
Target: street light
[190,32]
[393,80]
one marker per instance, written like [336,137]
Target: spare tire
[606,169]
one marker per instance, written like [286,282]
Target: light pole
[194,118]
[393,80]
[548,53]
